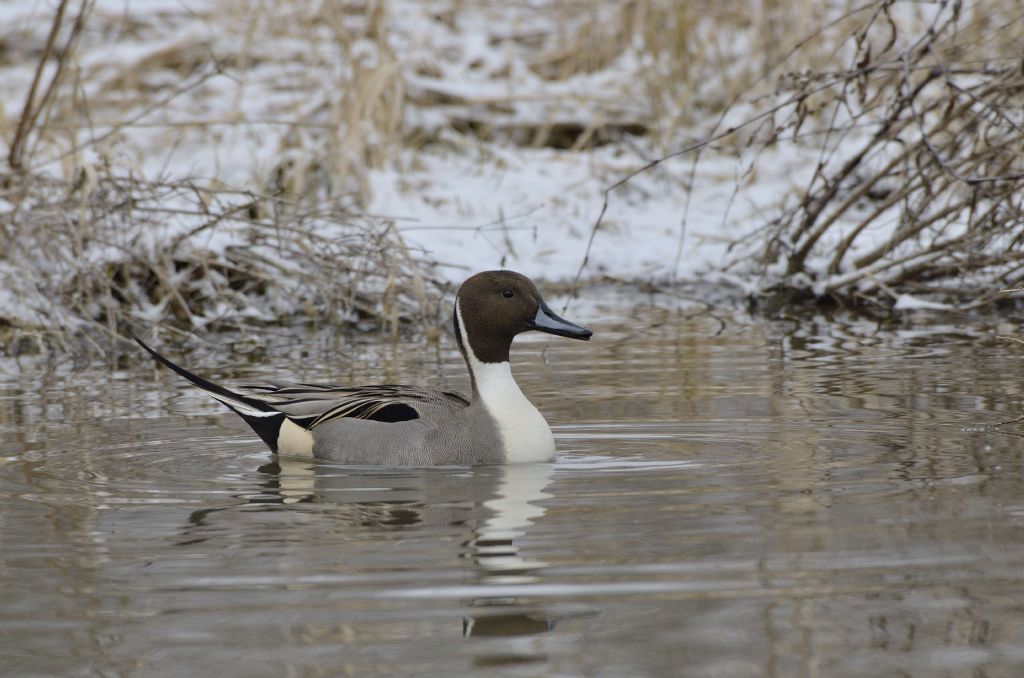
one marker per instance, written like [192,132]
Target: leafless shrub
[908,115]
[918,187]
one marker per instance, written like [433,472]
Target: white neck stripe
[524,432]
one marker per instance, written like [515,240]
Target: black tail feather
[267,426]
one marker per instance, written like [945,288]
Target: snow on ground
[534,210]
[441,117]
[465,202]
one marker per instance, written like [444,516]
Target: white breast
[524,431]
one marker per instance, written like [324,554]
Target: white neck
[523,430]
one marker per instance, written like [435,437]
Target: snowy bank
[225,162]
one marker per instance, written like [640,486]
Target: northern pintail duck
[410,425]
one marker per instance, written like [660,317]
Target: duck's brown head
[494,306]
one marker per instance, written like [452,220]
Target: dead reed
[91,239]
[114,249]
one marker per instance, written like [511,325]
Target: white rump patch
[294,441]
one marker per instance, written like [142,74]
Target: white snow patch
[908,302]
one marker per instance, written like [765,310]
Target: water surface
[732,497]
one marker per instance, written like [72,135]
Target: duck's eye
[508,294]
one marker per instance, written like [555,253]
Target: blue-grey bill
[548,321]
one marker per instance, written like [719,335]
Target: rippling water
[798,497]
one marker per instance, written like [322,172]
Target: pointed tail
[264,419]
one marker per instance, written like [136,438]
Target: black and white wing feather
[310,405]
[265,407]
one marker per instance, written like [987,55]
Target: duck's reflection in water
[495,505]
[512,508]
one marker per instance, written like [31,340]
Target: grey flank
[402,425]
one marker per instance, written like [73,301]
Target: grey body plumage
[402,425]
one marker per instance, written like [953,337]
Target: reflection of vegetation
[815,470]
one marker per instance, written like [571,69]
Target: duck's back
[391,424]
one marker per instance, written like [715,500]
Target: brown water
[784,498]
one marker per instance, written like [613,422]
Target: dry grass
[106,242]
[910,105]
[101,253]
